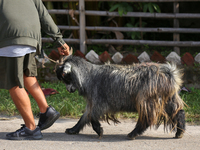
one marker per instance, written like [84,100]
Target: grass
[73,105]
[192,99]
[67,104]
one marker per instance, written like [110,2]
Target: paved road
[114,137]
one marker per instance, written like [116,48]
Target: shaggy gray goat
[150,89]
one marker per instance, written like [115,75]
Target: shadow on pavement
[89,137]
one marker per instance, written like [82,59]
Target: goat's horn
[70,53]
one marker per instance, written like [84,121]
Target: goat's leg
[139,129]
[180,119]
[79,126]
[97,127]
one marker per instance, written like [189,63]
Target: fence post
[82,26]
[176,36]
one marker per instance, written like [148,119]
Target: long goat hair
[150,89]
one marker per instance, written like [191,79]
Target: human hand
[63,50]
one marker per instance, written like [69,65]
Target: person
[21,22]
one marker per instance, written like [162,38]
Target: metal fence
[83,41]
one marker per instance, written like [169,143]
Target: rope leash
[61,59]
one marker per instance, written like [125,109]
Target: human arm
[50,28]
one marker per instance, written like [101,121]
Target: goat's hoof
[179,135]
[131,137]
[70,131]
[100,133]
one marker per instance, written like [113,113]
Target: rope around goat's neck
[56,62]
[61,59]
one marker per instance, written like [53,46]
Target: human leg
[35,90]
[11,78]
[48,115]
[22,102]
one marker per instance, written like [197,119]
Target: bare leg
[22,102]
[35,90]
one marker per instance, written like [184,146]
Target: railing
[176,43]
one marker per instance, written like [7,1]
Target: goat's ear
[67,68]
[59,72]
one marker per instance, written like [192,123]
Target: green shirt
[21,22]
